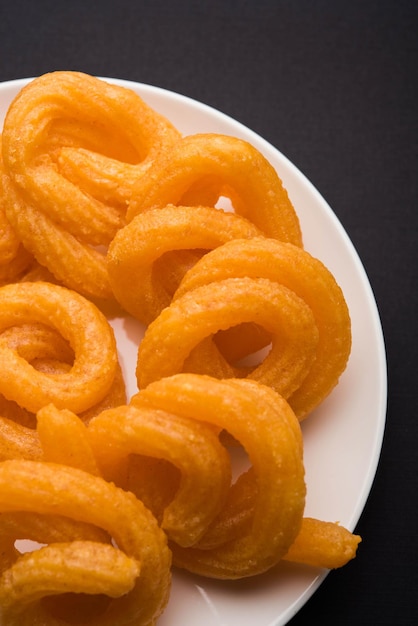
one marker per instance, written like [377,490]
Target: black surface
[333,86]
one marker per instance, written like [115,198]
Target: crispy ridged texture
[147,258]
[318,543]
[14,258]
[140,575]
[310,280]
[233,168]
[268,430]
[85,328]
[203,311]
[192,448]
[73,146]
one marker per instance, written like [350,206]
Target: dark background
[333,85]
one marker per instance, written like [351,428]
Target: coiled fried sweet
[309,279]
[72,147]
[55,347]
[149,256]
[262,519]
[204,167]
[126,584]
[200,313]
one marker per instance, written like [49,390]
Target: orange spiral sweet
[229,167]
[199,313]
[149,256]
[49,353]
[72,147]
[134,576]
[268,430]
[310,280]
[259,504]
[191,448]
[81,324]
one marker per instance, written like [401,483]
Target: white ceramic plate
[342,440]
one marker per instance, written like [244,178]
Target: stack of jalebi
[193,175]
[245,334]
[265,501]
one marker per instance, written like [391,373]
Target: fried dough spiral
[229,167]
[78,321]
[72,147]
[192,448]
[201,312]
[48,352]
[269,431]
[41,360]
[233,545]
[149,256]
[307,277]
[135,575]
